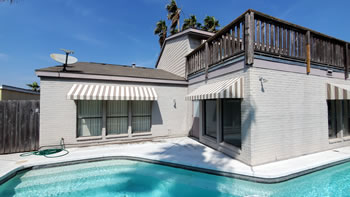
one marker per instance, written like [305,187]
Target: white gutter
[108,78]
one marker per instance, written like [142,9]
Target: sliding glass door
[210,118]
[231,122]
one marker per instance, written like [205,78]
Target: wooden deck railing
[226,43]
[257,33]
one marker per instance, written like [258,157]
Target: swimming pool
[134,178]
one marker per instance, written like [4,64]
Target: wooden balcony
[257,33]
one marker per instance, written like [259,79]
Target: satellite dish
[64,59]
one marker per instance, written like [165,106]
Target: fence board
[19,126]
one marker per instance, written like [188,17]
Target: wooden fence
[19,126]
[257,33]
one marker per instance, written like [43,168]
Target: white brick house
[259,90]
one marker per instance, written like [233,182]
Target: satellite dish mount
[64,59]
[66,62]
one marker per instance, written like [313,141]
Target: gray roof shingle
[114,70]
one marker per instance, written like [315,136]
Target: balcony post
[249,38]
[346,61]
[308,53]
[206,52]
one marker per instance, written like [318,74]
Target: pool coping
[257,179]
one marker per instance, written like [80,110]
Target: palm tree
[173,31]
[174,16]
[161,31]
[34,86]
[191,23]
[210,24]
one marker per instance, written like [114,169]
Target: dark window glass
[210,118]
[141,116]
[334,118]
[346,118]
[117,117]
[89,118]
[231,122]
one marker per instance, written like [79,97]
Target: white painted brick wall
[58,115]
[291,117]
[228,72]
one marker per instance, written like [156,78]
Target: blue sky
[121,32]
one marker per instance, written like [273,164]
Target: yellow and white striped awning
[232,88]
[109,92]
[338,92]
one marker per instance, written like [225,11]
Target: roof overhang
[107,78]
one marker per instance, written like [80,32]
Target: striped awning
[232,88]
[110,92]
[338,92]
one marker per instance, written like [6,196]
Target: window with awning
[338,92]
[122,107]
[231,88]
[338,105]
[110,92]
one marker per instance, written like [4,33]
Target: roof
[190,31]
[114,70]
[12,88]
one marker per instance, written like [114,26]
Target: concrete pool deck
[183,152]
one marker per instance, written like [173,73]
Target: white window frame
[104,132]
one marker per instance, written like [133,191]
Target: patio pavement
[184,151]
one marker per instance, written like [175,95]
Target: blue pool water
[132,178]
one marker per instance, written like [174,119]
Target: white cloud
[4,56]
[88,39]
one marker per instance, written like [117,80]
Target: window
[114,116]
[117,117]
[231,122]
[89,118]
[210,118]
[347,118]
[335,122]
[141,116]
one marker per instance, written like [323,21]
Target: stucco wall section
[290,113]
[58,115]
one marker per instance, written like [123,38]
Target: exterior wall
[14,95]
[173,58]
[231,70]
[290,111]
[58,116]
[285,116]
